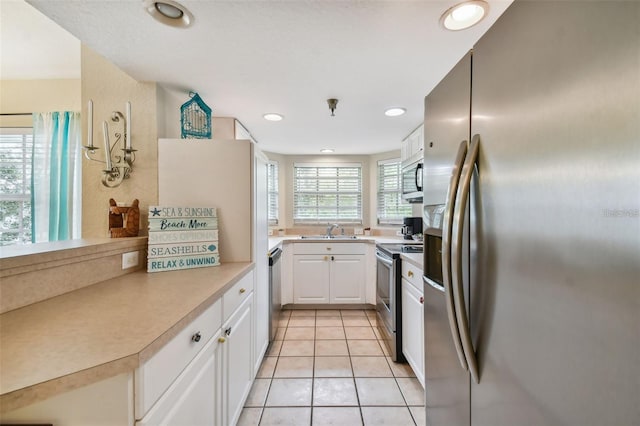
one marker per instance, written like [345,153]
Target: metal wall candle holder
[118,167]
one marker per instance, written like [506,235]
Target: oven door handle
[384,259]
[447,224]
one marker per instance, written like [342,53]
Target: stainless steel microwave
[412,182]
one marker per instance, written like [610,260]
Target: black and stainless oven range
[388,298]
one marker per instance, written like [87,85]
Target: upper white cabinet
[412,147]
[329,273]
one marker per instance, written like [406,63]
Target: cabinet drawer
[154,376]
[413,275]
[192,397]
[236,295]
[329,248]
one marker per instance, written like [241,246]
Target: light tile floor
[328,367]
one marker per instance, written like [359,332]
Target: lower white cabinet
[237,362]
[311,278]
[347,278]
[192,398]
[212,388]
[329,273]
[413,319]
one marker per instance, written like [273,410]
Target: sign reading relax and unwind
[182,238]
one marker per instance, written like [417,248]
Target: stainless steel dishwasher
[274,292]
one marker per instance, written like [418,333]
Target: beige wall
[110,88]
[20,96]
[369,184]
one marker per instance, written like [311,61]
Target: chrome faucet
[330,228]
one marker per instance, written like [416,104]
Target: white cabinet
[237,362]
[193,398]
[346,279]
[412,147]
[212,388]
[311,278]
[413,318]
[329,273]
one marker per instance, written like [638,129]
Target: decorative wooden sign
[182,238]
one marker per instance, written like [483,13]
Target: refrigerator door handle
[456,261]
[447,224]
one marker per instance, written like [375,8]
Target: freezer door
[446,126]
[556,308]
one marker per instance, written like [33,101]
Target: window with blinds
[325,193]
[272,192]
[16,146]
[391,207]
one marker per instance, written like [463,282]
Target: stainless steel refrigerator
[532,222]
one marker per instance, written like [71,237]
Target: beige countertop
[415,259]
[288,239]
[101,330]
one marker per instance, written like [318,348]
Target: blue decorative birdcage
[195,118]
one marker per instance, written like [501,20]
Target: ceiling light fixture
[464,15]
[273,116]
[394,111]
[326,150]
[333,103]
[168,12]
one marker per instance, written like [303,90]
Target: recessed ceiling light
[168,12]
[394,112]
[326,150]
[464,15]
[272,116]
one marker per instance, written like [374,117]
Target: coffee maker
[412,226]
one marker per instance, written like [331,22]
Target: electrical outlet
[129,260]
[358,231]
[270,232]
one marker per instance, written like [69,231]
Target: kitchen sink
[328,237]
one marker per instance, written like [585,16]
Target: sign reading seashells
[182,238]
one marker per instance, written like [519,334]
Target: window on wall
[16,146]
[391,207]
[325,193]
[272,192]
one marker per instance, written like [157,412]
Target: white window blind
[16,146]
[325,193]
[391,207]
[272,192]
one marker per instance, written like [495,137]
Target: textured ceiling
[246,58]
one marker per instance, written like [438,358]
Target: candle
[90,124]
[107,145]
[128,130]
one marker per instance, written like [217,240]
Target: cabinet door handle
[242,290]
[410,273]
[221,339]
[228,331]
[326,258]
[329,248]
[421,300]
[332,258]
[196,337]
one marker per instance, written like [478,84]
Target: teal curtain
[56,178]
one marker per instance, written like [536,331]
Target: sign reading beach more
[182,238]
